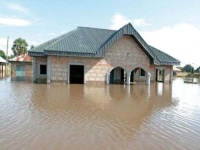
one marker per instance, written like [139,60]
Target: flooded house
[21,68]
[87,55]
[2,67]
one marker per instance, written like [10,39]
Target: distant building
[177,72]
[198,70]
[87,55]
[21,68]
[2,67]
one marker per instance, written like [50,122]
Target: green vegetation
[188,68]
[19,47]
[195,75]
[197,70]
[32,46]
[2,54]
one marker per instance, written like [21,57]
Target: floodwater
[99,117]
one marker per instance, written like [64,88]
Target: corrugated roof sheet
[163,57]
[92,42]
[81,40]
[2,60]
[22,58]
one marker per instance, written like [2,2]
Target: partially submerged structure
[177,72]
[100,55]
[21,68]
[2,66]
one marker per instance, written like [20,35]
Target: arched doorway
[138,75]
[117,76]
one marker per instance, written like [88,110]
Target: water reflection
[57,116]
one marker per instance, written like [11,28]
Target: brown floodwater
[99,117]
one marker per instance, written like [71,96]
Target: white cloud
[16,7]
[8,21]
[118,21]
[181,41]
[140,22]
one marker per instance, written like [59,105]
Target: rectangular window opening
[142,73]
[43,69]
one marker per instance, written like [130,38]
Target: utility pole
[6,56]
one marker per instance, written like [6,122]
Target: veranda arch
[118,75]
[139,74]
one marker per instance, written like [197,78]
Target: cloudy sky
[172,26]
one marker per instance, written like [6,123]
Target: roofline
[20,61]
[68,53]
[127,30]
[32,53]
[95,28]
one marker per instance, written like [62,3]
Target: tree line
[19,47]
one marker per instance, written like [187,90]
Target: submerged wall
[21,71]
[125,53]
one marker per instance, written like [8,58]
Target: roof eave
[68,53]
[35,54]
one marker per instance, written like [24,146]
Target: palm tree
[19,47]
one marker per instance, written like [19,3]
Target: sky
[172,26]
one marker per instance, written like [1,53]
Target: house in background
[198,70]
[177,72]
[87,55]
[2,67]
[21,68]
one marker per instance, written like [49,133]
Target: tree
[2,54]
[188,68]
[197,70]
[32,46]
[19,47]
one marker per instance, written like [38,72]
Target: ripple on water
[39,116]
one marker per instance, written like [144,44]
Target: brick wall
[40,61]
[95,69]
[124,53]
[27,68]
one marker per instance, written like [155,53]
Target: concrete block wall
[127,53]
[95,69]
[27,68]
[124,53]
[168,70]
[40,78]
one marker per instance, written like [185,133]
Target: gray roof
[93,42]
[2,60]
[163,57]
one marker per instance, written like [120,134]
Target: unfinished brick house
[99,55]
[21,68]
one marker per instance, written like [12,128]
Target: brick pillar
[2,69]
[148,78]
[34,70]
[108,78]
[48,69]
[171,74]
[128,78]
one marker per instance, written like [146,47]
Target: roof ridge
[114,33]
[60,38]
[96,28]
[50,41]
[138,37]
